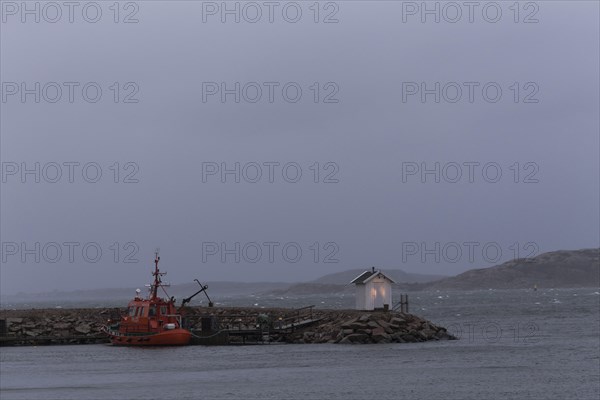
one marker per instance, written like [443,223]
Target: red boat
[154,321]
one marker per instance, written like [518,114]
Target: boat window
[152,311]
[163,310]
[141,312]
[131,311]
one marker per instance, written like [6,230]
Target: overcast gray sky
[370,131]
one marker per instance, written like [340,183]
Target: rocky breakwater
[352,327]
[54,326]
[307,325]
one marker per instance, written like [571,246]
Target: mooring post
[404,303]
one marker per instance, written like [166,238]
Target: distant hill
[400,276]
[556,269]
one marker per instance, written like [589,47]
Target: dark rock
[409,338]
[357,338]
[83,328]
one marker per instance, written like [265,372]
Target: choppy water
[514,344]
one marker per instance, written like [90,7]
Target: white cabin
[373,290]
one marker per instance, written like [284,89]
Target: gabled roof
[368,275]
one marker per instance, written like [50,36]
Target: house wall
[369,298]
[361,295]
[376,292]
[384,289]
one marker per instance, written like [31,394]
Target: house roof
[368,275]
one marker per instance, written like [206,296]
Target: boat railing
[177,317]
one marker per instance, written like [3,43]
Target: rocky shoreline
[75,326]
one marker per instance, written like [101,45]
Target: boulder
[383,338]
[373,324]
[386,326]
[409,338]
[378,332]
[348,324]
[364,318]
[427,334]
[356,325]
[83,328]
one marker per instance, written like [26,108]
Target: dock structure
[256,328]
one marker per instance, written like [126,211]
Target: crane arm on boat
[203,288]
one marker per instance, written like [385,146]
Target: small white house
[373,290]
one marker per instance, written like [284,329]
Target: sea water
[514,344]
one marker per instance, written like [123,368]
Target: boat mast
[157,276]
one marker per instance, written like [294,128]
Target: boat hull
[174,337]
